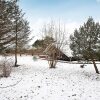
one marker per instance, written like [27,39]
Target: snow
[33,80]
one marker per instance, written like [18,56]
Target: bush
[6,66]
[34,58]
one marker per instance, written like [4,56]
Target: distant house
[52,49]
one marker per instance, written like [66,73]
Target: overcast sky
[71,12]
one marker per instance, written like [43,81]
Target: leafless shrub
[55,47]
[6,64]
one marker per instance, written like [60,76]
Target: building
[59,53]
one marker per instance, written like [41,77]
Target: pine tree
[14,29]
[85,40]
[6,36]
[20,28]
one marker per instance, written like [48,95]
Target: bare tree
[56,46]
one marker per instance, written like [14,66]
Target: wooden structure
[52,50]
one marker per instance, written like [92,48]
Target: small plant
[6,65]
[34,58]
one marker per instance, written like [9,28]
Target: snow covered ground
[33,80]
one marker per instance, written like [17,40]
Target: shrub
[34,58]
[6,66]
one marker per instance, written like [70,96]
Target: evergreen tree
[6,36]
[20,28]
[14,29]
[85,41]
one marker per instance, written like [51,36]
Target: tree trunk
[20,54]
[96,69]
[51,64]
[16,44]
[53,61]
[16,51]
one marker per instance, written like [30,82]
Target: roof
[64,49]
[67,51]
